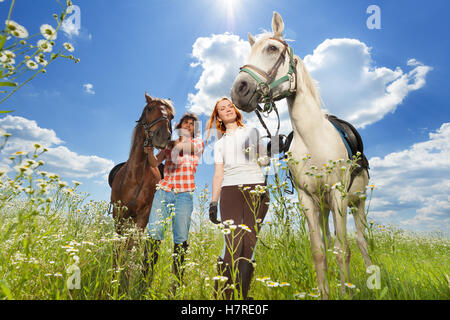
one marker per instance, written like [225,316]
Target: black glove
[213,212]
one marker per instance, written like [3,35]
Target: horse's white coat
[315,139]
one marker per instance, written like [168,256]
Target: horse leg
[317,245]
[359,216]
[325,226]
[342,249]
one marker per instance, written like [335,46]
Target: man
[174,195]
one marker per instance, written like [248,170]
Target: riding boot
[245,275]
[179,252]
[151,254]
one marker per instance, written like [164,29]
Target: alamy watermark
[74,280]
[374,20]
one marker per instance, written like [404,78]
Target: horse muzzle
[161,137]
[244,93]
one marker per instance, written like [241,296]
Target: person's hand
[213,212]
[148,150]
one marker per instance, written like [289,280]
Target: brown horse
[133,183]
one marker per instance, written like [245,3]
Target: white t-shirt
[239,151]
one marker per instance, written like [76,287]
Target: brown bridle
[272,73]
[147,126]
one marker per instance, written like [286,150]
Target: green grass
[43,227]
[37,249]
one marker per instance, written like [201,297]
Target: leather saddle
[117,167]
[350,137]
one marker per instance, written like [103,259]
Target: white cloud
[353,88]
[59,159]
[220,57]
[365,93]
[412,188]
[89,88]
[415,183]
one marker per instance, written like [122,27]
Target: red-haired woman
[239,183]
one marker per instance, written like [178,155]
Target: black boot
[151,254]
[179,251]
[245,275]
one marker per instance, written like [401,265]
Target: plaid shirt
[179,174]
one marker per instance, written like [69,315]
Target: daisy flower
[228,222]
[350,285]
[220,278]
[272,284]
[45,45]
[32,65]
[16,29]
[68,47]
[48,32]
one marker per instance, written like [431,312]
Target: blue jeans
[168,205]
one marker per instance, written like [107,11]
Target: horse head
[155,122]
[269,74]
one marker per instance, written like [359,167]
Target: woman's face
[226,111]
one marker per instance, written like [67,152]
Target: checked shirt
[179,170]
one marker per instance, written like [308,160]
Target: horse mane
[309,82]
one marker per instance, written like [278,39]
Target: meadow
[56,244]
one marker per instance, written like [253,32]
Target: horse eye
[273,48]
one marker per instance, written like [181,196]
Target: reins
[265,90]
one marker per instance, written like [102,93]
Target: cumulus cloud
[412,188]
[59,159]
[220,57]
[413,185]
[353,88]
[89,88]
[365,94]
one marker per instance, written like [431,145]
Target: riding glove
[213,212]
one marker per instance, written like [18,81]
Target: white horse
[273,72]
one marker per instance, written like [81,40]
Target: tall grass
[47,226]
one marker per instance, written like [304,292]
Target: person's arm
[184,145]
[152,160]
[217,182]
[161,156]
[216,188]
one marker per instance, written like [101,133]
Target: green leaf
[383,292]
[2,41]
[8,84]
[6,111]
[6,290]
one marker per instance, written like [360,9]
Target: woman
[238,181]
[176,191]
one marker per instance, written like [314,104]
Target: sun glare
[229,8]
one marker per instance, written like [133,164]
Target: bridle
[147,126]
[147,143]
[265,89]
[266,85]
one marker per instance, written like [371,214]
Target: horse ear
[277,25]
[251,39]
[147,97]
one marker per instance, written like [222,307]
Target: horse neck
[137,153]
[304,109]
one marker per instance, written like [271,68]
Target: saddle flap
[349,132]
[113,173]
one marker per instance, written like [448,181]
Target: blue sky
[191,50]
